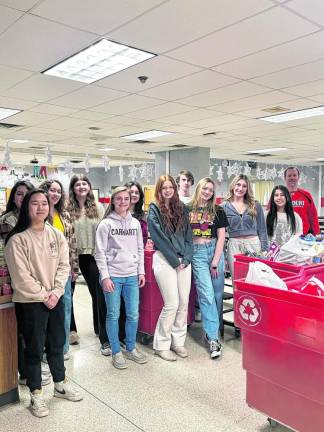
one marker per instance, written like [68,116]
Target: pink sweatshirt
[119,247]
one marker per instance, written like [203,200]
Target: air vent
[9,125]
[265,154]
[34,161]
[179,146]
[141,142]
[75,161]
[36,147]
[275,109]
[98,137]
[209,133]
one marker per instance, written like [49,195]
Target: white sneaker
[39,407]
[136,356]
[67,356]
[65,390]
[105,349]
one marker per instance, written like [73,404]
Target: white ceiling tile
[163,110]
[7,17]
[52,109]
[264,100]
[171,24]
[246,37]
[193,115]
[307,90]
[23,5]
[189,85]
[29,118]
[11,76]
[88,96]
[127,104]
[63,123]
[158,69]
[293,76]
[42,47]
[41,88]
[300,51]
[214,122]
[100,19]
[90,115]
[224,94]
[313,10]
[8,102]
[318,98]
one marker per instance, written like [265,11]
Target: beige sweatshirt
[38,263]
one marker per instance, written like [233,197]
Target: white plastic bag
[297,252]
[261,274]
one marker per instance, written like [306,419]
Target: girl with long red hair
[170,231]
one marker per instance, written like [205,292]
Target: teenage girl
[37,256]
[208,222]
[60,218]
[247,228]
[170,231]
[120,259]
[282,221]
[86,213]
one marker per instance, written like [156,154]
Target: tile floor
[190,395]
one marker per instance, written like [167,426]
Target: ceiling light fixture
[267,150]
[294,115]
[106,149]
[146,135]
[98,61]
[19,141]
[7,112]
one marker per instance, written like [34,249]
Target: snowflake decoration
[211,170]
[68,168]
[49,157]
[87,163]
[247,170]
[105,161]
[121,173]
[302,178]
[7,157]
[258,173]
[220,174]
[281,172]
[132,172]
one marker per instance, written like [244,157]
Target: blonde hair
[117,190]
[249,199]
[211,207]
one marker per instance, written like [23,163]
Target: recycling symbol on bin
[249,310]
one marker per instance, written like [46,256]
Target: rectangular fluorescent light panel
[146,135]
[294,115]
[7,112]
[268,150]
[106,149]
[98,61]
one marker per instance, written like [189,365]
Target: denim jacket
[245,224]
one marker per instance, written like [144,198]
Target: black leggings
[90,272]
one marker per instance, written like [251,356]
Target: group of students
[50,238]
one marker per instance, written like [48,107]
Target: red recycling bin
[283,349]
[151,302]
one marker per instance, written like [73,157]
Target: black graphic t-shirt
[204,224]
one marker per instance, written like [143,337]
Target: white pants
[174,285]
[240,246]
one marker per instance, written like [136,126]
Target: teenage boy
[184,181]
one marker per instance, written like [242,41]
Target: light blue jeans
[210,290]
[67,299]
[128,288]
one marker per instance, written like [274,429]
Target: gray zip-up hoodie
[119,247]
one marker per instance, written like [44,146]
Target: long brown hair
[173,215]
[90,207]
[248,197]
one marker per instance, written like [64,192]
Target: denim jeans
[67,299]
[210,290]
[128,288]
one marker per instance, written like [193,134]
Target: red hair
[173,214]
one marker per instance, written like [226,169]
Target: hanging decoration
[106,164]
[87,163]
[247,170]
[220,174]
[302,178]
[49,157]
[7,157]
[144,171]
[211,170]
[121,173]
[132,172]
[68,168]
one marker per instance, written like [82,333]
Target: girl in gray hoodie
[120,260]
